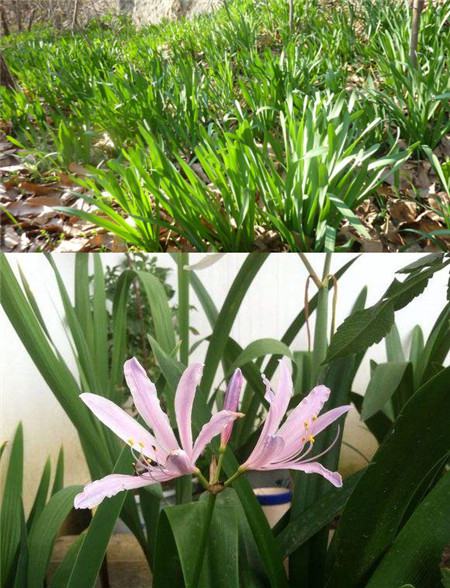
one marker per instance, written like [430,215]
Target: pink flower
[231,403]
[286,447]
[159,456]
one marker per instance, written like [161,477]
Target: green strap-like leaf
[259,348]
[11,510]
[41,494]
[177,553]
[415,554]
[385,380]
[44,533]
[268,548]
[92,551]
[319,515]
[226,318]
[374,513]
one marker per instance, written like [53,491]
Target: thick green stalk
[183,486]
[203,541]
[320,347]
[182,260]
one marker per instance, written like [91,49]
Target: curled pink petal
[286,447]
[279,403]
[147,403]
[214,427]
[231,403]
[272,446]
[121,423]
[317,468]
[95,492]
[179,464]
[328,418]
[184,399]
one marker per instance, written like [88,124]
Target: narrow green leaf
[11,511]
[385,380]
[92,551]
[267,546]
[58,482]
[226,318]
[41,495]
[44,533]
[259,348]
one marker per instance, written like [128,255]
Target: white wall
[273,300]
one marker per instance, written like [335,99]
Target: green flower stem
[219,464]
[204,482]
[315,278]
[231,479]
[183,486]
[203,541]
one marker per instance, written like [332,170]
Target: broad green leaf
[319,515]
[176,553]
[361,330]
[44,533]
[394,348]
[11,511]
[384,382]
[364,328]
[379,425]
[416,552]
[267,546]
[260,348]
[374,513]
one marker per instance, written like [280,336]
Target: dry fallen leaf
[402,211]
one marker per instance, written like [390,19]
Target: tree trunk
[291,16]
[417,8]
[6,78]
[19,15]
[4,21]
[76,7]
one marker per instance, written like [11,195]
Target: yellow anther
[130,441]
[141,444]
[306,425]
[311,439]
[314,418]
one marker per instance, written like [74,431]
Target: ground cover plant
[238,130]
[391,517]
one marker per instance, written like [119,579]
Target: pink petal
[316,468]
[278,406]
[179,464]
[147,403]
[263,459]
[184,399]
[280,401]
[327,418]
[121,423]
[214,427]
[95,492]
[231,403]
[309,407]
